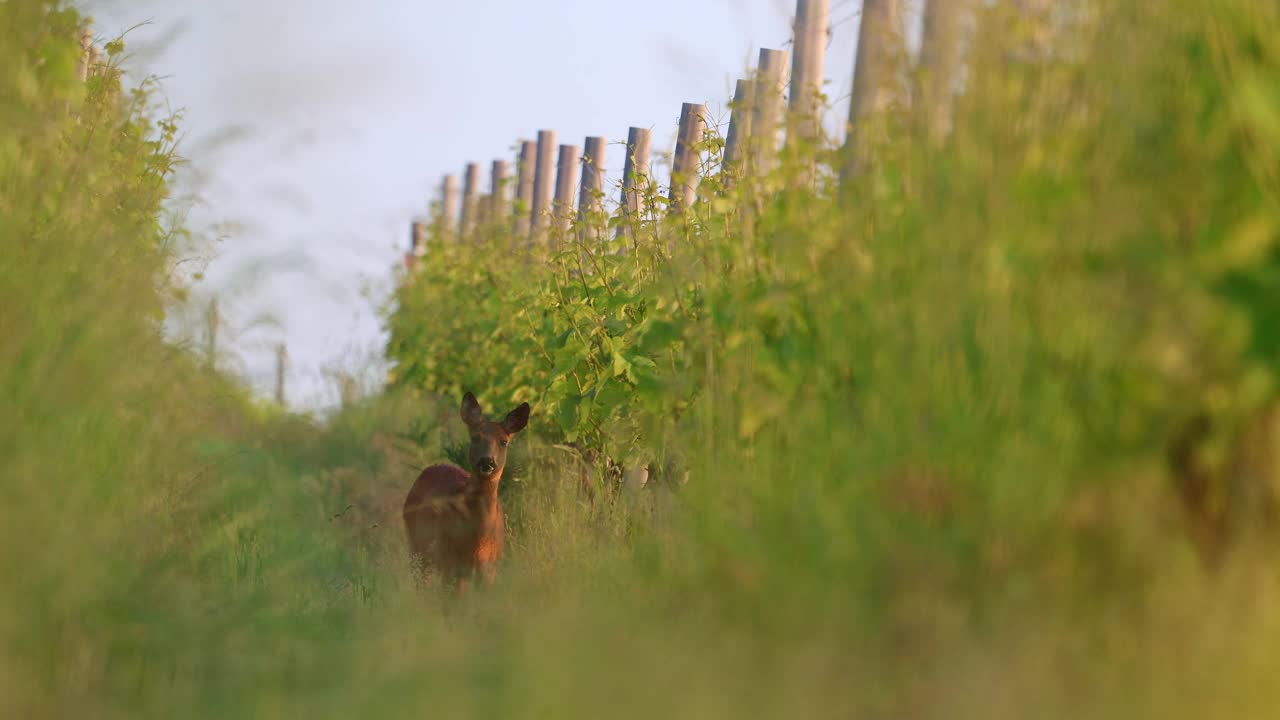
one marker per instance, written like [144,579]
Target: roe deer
[453,517]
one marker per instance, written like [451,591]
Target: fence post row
[544,184]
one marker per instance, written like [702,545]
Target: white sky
[317,129]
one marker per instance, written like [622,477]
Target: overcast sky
[317,129]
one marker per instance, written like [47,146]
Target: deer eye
[503,443]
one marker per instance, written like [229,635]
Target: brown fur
[453,517]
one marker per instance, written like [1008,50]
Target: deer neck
[484,490]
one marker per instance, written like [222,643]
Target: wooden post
[940,63]
[282,358]
[544,174]
[448,205]
[874,75]
[86,50]
[520,226]
[417,244]
[635,176]
[766,117]
[566,179]
[739,129]
[498,174]
[213,321]
[684,166]
[812,18]
[591,192]
[470,200]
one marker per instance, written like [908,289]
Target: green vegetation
[989,432]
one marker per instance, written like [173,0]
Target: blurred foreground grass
[936,427]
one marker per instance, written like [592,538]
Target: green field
[990,430]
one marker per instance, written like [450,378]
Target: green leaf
[568,358]
[612,398]
[567,413]
[621,366]
[616,326]
[659,336]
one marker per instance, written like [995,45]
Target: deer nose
[486,465]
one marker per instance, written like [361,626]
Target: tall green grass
[154,521]
[927,420]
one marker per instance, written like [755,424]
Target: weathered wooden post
[86,50]
[591,192]
[635,177]
[810,35]
[282,359]
[739,129]
[766,116]
[874,75]
[417,244]
[418,241]
[566,180]
[470,200]
[448,206]
[684,166]
[544,175]
[520,226]
[940,63]
[213,321]
[498,174]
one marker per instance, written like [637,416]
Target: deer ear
[516,419]
[471,413]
